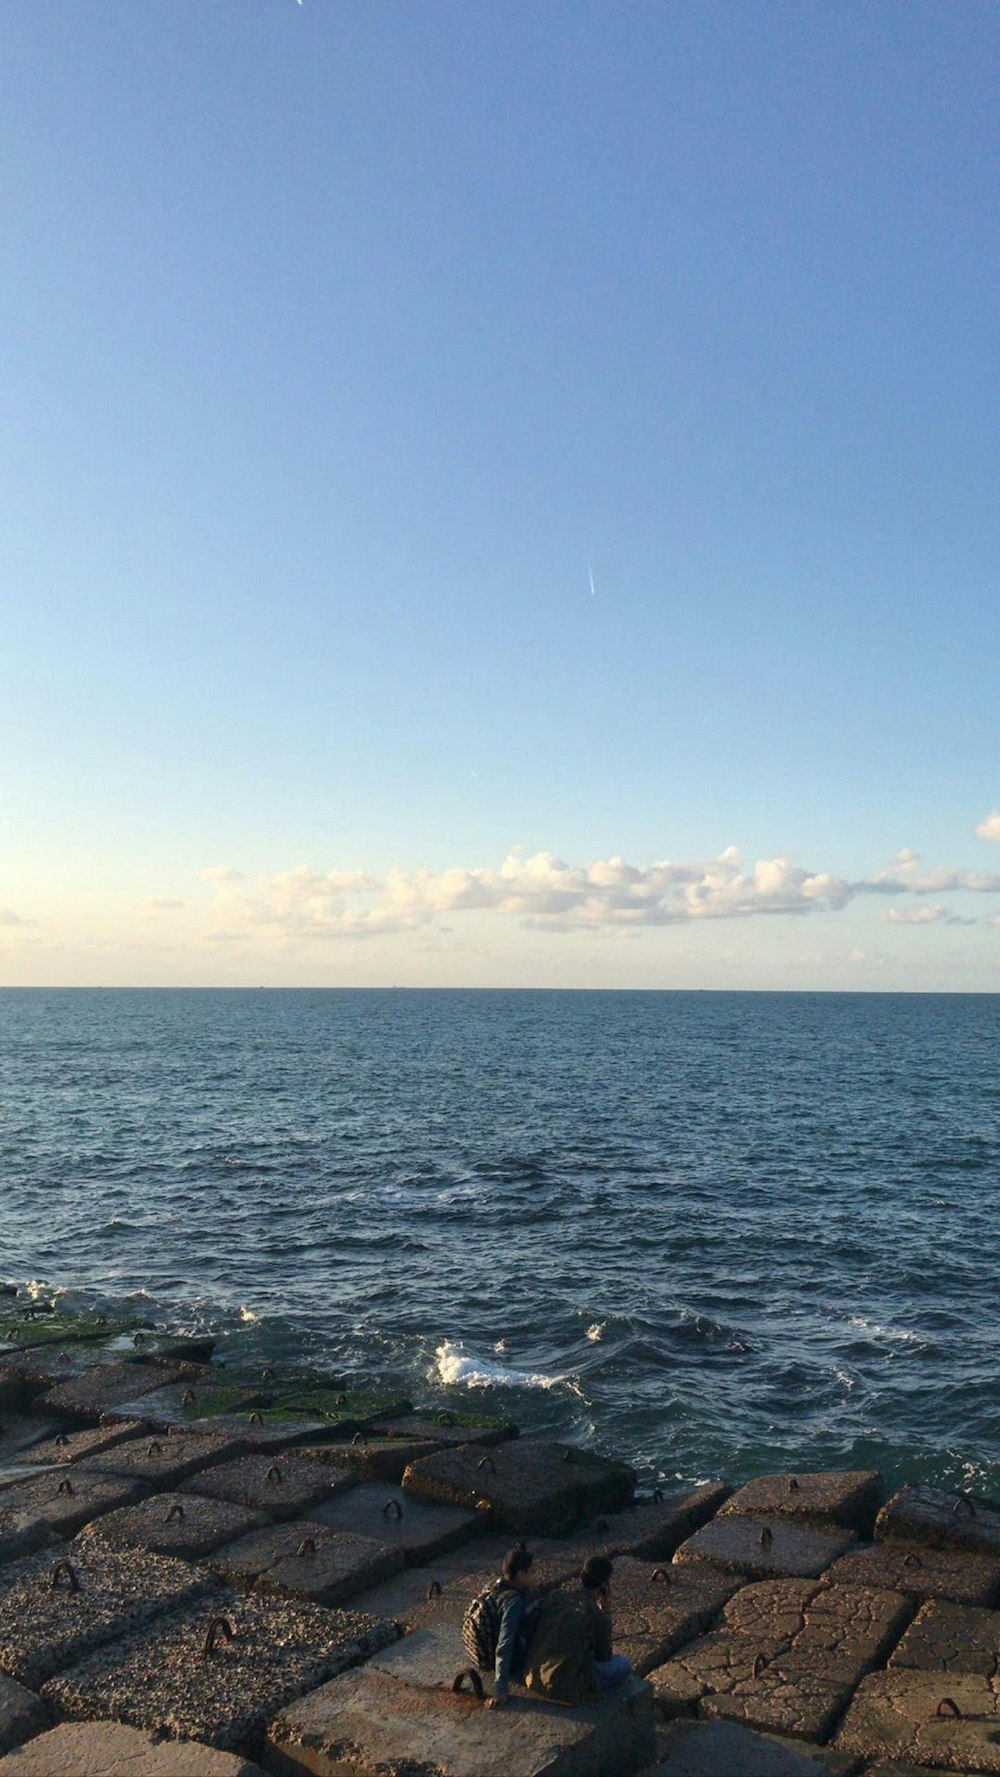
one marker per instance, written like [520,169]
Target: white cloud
[989,826]
[222,873]
[907,875]
[154,905]
[916,916]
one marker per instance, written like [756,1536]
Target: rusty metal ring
[475,1682]
[359,1438]
[657,1496]
[660,1573]
[66,1567]
[188,1398]
[267,1374]
[307,1546]
[434,1590]
[155,1448]
[256,1418]
[948,1706]
[766,1537]
[793,1485]
[138,1339]
[274,1475]
[393,1505]
[61,1440]
[487,1462]
[65,1486]
[759,1664]
[218,1626]
[446,1418]
[963,1503]
[176,1511]
[912,1559]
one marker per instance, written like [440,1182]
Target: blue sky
[343,345]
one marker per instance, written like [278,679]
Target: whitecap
[459,1368]
[596,1331]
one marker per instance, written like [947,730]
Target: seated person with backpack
[570,1658]
[493,1629]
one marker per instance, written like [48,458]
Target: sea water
[715,1233]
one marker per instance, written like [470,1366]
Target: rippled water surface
[712,1232]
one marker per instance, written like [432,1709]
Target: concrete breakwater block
[48,1506]
[765,1548]
[252,1431]
[787,1657]
[174,1524]
[525,1486]
[20,1433]
[331,1569]
[961,1575]
[368,1724]
[109,1749]
[929,1514]
[100,1389]
[446,1428]
[849,1498]
[164,1399]
[951,1638]
[80,1446]
[655,1610]
[218,1675]
[371,1458]
[21,1713]
[726,1749]
[344,1410]
[651,1529]
[54,1612]
[281,1485]
[421,1529]
[947,1722]
[165,1459]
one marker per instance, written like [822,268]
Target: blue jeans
[613,1671]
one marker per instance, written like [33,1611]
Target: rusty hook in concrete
[256,1418]
[912,1559]
[393,1505]
[176,1511]
[65,1486]
[138,1339]
[188,1398]
[61,1440]
[657,1496]
[307,1546]
[660,1573]
[267,1374]
[793,1485]
[446,1418]
[487,1462]
[67,1568]
[475,1682]
[274,1475]
[434,1590]
[948,1706]
[155,1448]
[963,1503]
[218,1626]
[359,1438]
[759,1664]
[766,1537]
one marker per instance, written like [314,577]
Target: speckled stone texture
[21,1434]
[526,1486]
[332,1569]
[45,1507]
[175,1524]
[373,1459]
[56,1611]
[165,1459]
[109,1749]
[367,1725]
[162,1681]
[726,1749]
[928,1514]
[958,1574]
[283,1485]
[21,1713]
[951,1638]
[80,1446]
[787,1657]
[764,1548]
[849,1498]
[100,1388]
[401,1520]
[905,1715]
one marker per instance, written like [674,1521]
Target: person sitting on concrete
[494,1627]
[569,1658]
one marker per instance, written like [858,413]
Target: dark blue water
[713,1232]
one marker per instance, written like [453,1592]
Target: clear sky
[500,493]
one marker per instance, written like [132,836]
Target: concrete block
[912,1716]
[651,1529]
[80,1446]
[331,1569]
[109,1749]
[655,1610]
[726,1749]
[731,1675]
[168,1682]
[56,1611]
[373,1459]
[525,1486]
[21,1713]
[765,1548]
[844,1631]
[446,1428]
[241,1562]
[849,1498]
[344,1411]
[402,1520]
[961,1575]
[365,1724]
[44,1507]
[282,1485]
[930,1515]
[161,1399]
[166,1459]
[100,1389]
[21,1434]
[951,1638]
[254,1432]
[174,1524]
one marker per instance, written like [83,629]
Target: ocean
[714,1233]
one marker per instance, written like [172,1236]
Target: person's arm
[511,1620]
[602,1629]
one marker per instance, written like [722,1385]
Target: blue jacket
[510,1651]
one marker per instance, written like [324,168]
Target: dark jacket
[510,1641]
[572,1631]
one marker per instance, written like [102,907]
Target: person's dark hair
[516,1561]
[596,1573]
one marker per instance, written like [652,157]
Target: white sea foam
[248,1316]
[596,1332]
[897,1335]
[459,1368]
